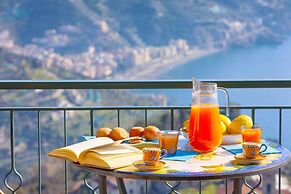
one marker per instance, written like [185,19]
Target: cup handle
[227,110]
[163,153]
[265,147]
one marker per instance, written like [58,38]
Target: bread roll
[118,133]
[136,131]
[103,132]
[151,133]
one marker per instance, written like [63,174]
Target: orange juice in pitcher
[204,129]
[205,133]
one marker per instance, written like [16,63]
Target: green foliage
[208,189]
[188,191]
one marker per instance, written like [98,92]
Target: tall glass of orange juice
[205,133]
[168,140]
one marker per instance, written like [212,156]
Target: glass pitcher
[205,132]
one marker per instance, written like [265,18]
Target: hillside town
[99,65]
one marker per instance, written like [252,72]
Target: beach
[156,68]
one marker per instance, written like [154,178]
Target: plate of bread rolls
[148,135]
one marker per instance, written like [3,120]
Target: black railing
[165,84]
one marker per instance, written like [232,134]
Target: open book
[101,152]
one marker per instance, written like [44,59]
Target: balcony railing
[13,180]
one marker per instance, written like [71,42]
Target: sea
[257,62]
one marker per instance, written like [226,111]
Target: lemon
[186,125]
[223,127]
[235,125]
[226,121]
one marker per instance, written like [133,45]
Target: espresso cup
[251,149]
[151,156]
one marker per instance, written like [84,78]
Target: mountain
[73,25]
[116,40]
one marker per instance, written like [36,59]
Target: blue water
[257,62]
[250,63]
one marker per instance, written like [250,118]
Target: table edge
[120,174]
[177,177]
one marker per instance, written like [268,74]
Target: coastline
[153,70]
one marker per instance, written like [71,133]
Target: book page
[73,151]
[89,144]
[99,161]
[114,149]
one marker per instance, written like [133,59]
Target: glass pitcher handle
[227,110]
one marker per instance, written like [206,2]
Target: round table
[238,175]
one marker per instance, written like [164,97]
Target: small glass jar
[252,134]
